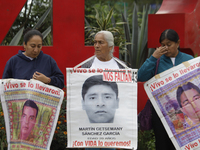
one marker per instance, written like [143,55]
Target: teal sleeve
[147,70]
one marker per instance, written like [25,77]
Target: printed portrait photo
[100,99]
[30,122]
[188,97]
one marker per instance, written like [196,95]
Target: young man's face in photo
[100,103]
[190,101]
[28,121]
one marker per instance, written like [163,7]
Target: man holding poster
[100,105]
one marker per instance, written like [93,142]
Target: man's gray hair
[109,38]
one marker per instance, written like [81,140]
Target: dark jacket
[21,67]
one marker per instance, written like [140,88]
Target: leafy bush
[146,140]
[60,136]
[3,141]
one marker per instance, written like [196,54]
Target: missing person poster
[31,110]
[175,94]
[101,108]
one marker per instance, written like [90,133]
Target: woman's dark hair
[170,35]
[29,33]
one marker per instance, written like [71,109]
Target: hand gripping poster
[31,110]
[101,108]
[175,95]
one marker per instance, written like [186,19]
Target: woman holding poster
[103,59]
[33,63]
[168,55]
[33,113]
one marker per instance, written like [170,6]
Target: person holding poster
[168,55]
[103,59]
[33,63]
[188,97]
[100,105]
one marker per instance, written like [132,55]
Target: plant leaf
[108,17]
[144,49]
[112,19]
[141,37]
[135,33]
[126,17]
[127,37]
[41,20]
[46,32]
[17,37]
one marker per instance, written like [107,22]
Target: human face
[172,47]
[190,101]
[102,50]
[100,103]
[28,121]
[33,46]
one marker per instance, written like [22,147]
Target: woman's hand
[160,51]
[41,77]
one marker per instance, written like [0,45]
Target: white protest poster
[175,95]
[101,108]
[31,110]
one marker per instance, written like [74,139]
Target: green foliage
[196,55]
[60,136]
[132,41]
[102,18]
[3,140]
[89,9]
[146,140]
[136,47]
[35,14]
